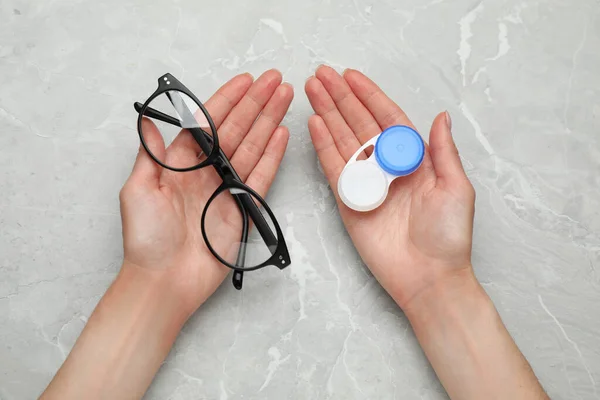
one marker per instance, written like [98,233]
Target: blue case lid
[400,150]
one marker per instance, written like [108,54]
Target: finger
[330,158]
[228,96]
[145,170]
[444,153]
[252,147]
[325,107]
[358,118]
[262,176]
[237,124]
[386,112]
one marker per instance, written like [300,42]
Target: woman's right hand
[421,236]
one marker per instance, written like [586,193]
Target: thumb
[145,170]
[444,153]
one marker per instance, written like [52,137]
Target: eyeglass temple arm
[238,276]
[152,113]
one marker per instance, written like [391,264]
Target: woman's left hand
[161,209]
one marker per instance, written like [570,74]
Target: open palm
[162,209]
[422,233]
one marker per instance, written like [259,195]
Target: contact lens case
[363,184]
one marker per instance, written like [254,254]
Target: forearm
[124,342]
[468,345]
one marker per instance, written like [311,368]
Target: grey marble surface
[520,78]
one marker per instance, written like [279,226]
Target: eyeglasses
[177,117]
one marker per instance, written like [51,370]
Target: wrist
[467,344]
[125,340]
[154,290]
[458,292]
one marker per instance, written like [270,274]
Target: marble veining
[520,79]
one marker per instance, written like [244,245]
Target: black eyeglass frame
[216,157]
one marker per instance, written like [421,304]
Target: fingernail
[449,121]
